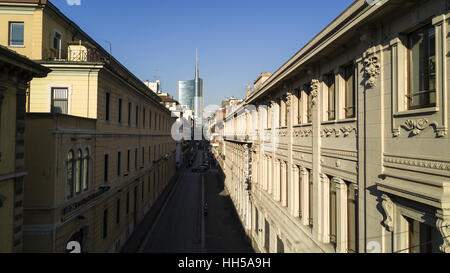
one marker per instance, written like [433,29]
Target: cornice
[350,18]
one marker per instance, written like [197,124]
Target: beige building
[100,149]
[345,147]
[17,71]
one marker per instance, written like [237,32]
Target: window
[136,159]
[78,172]
[309,105]
[420,237]
[57,44]
[105,224]
[422,68]
[120,111]
[143,157]
[333,212]
[118,211]
[331,97]
[148,188]
[142,192]
[16,34]
[70,174]
[150,154]
[154,152]
[105,174]
[128,203]
[107,106]
[59,103]
[156,117]
[349,76]
[86,170]
[285,113]
[128,161]
[143,119]
[137,116]
[150,120]
[299,106]
[129,114]
[119,159]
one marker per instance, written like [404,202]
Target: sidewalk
[138,236]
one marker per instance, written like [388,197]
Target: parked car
[200,169]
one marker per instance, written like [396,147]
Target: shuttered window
[349,75]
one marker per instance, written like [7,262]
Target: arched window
[86,170]
[70,174]
[78,172]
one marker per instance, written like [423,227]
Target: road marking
[203,215]
[149,234]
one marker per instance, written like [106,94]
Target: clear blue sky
[236,39]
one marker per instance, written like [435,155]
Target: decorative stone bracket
[314,91]
[388,207]
[371,70]
[444,228]
[288,99]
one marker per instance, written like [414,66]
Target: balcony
[81,52]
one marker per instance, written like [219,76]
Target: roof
[168,99]
[23,62]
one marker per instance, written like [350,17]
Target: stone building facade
[100,149]
[15,74]
[345,147]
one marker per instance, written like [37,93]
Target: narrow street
[182,227]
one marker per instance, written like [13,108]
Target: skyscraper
[190,93]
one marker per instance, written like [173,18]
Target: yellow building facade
[100,149]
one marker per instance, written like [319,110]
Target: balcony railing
[74,53]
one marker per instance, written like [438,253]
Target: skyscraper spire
[196,64]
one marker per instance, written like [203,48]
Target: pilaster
[341,217]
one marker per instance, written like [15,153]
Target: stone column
[325,220]
[304,211]
[295,203]
[270,171]
[282,184]
[278,181]
[264,172]
[316,159]
[341,217]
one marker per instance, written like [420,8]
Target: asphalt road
[182,227]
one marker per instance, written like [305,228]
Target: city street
[182,226]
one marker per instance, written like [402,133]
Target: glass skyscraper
[190,93]
[186,93]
